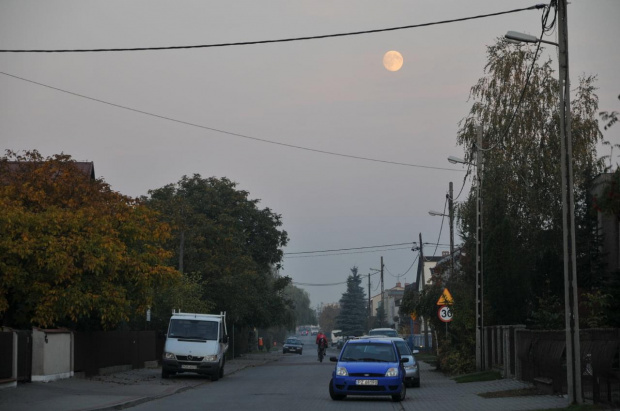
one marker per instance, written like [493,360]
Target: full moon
[393,60]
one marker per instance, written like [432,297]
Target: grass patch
[581,407]
[478,376]
[521,392]
[428,358]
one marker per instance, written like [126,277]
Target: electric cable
[443,217]
[545,29]
[284,40]
[352,252]
[348,249]
[405,273]
[262,140]
[321,284]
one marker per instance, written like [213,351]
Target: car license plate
[189,367]
[366,382]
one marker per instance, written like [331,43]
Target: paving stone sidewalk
[440,393]
[112,392]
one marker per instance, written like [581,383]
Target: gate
[24,355]
[6,352]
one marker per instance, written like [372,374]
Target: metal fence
[97,350]
[542,355]
[6,353]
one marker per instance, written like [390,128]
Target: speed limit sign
[445,314]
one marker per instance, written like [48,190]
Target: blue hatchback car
[368,367]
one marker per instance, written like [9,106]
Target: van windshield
[193,329]
[384,331]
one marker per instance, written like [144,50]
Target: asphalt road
[300,382]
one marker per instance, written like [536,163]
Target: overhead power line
[284,40]
[353,248]
[349,252]
[323,284]
[262,140]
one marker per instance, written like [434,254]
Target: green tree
[353,311]
[74,252]
[221,236]
[522,179]
[300,300]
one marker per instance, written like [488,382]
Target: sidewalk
[116,391]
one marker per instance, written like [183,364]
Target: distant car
[388,332]
[292,345]
[368,367]
[412,370]
[315,332]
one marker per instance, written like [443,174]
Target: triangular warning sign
[446,298]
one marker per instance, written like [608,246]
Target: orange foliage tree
[72,251]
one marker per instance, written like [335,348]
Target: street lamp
[573,348]
[526,38]
[479,267]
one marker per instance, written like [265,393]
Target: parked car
[292,345]
[336,337]
[368,366]
[412,370]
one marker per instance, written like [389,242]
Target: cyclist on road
[321,342]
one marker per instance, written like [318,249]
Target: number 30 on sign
[445,314]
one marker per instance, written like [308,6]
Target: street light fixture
[526,38]
[573,346]
[451,217]
[456,160]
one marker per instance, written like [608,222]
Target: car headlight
[342,372]
[392,372]
[210,358]
[411,367]
[169,356]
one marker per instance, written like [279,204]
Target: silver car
[412,371]
[292,344]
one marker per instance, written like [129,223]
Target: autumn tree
[327,319]
[232,246]
[73,252]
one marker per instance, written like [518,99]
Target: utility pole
[479,273]
[369,304]
[382,296]
[451,213]
[573,346]
[421,286]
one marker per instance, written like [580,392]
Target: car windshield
[193,329]
[369,352]
[403,348]
[292,341]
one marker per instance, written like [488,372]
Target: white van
[336,337]
[195,343]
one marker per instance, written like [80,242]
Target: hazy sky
[330,95]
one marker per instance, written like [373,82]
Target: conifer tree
[353,311]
